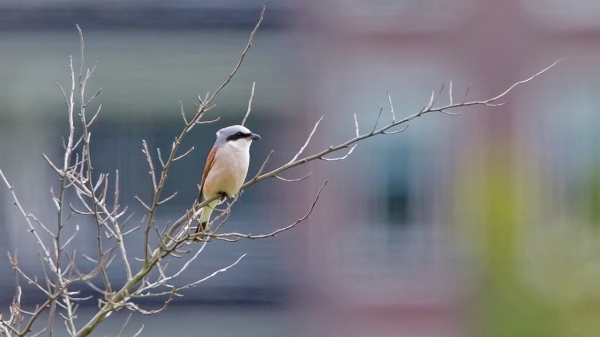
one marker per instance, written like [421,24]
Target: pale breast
[228,171]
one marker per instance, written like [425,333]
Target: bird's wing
[209,163]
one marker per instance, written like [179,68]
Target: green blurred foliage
[538,279]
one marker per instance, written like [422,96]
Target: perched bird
[226,168]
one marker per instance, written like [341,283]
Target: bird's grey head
[234,133]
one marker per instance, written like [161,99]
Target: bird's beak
[255,136]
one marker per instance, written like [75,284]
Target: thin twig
[262,167]
[249,105]
[150,164]
[294,180]
[239,64]
[236,236]
[307,141]
[391,108]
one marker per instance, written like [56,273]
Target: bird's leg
[203,226]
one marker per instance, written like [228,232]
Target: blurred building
[479,224]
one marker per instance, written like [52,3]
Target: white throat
[241,144]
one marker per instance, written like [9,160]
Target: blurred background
[484,224]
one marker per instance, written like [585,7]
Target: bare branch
[391,108]
[124,325]
[342,157]
[183,155]
[162,163]
[149,159]
[249,104]
[137,334]
[209,121]
[213,274]
[439,92]
[71,238]
[466,93]
[384,130]
[54,167]
[522,82]
[396,131]
[294,180]
[307,141]
[376,121]
[430,104]
[46,229]
[183,112]
[167,198]
[450,113]
[39,333]
[262,167]
[26,215]
[237,67]
[96,114]
[236,236]
[164,279]
[116,201]
[94,96]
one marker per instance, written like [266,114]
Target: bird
[226,168]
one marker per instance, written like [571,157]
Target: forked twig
[237,236]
